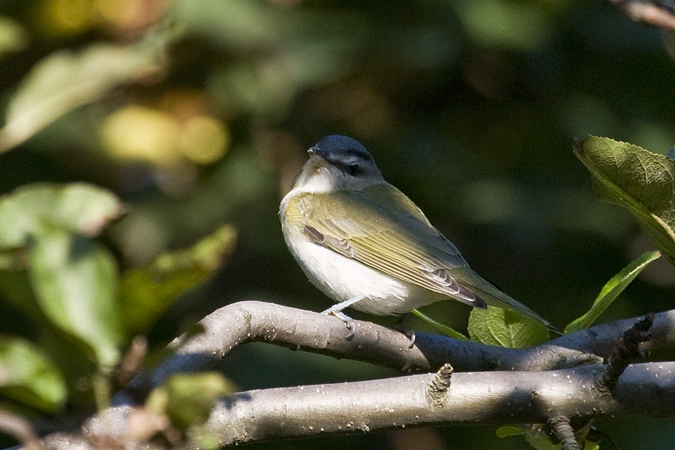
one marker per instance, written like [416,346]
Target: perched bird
[366,245]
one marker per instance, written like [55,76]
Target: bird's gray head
[338,163]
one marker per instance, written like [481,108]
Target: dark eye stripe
[342,164]
[358,153]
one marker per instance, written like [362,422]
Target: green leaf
[15,289]
[611,291]
[444,328]
[146,291]
[638,180]
[590,445]
[78,207]
[29,377]
[188,398]
[508,431]
[541,441]
[67,80]
[505,328]
[74,280]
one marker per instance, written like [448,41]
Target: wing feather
[403,245]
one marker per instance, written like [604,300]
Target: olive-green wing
[381,228]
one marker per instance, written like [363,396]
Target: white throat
[322,181]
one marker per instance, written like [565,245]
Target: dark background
[469,107]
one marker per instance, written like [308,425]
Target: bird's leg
[336,310]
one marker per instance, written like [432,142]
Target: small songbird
[366,245]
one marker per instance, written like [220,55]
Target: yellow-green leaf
[444,328]
[81,208]
[611,291]
[505,328]
[508,431]
[12,36]
[66,80]
[146,291]
[188,398]
[29,377]
[638,180]
[74,280]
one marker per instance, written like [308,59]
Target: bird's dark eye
[354,169]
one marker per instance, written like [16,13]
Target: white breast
[342,278]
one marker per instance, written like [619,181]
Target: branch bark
[298,329]
[519,392]
[472,398]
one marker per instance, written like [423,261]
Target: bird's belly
[342,278]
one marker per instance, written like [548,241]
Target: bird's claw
[407,332]
[343,317]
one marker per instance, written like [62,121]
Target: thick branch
[486,397]
[472,398]
[298,329]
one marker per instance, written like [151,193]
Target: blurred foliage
[196,113]
[30,377]
[188,398]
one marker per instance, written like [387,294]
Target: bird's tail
[494,296]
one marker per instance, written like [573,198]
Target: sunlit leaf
[141,133]
[444,328]
[541,441]
[27,376]
[77,207]
[51,263]
[590,445]
[188,398]
[12,36]
[146,291]
[505,328]
[611,291]
[74,280]
[66,80]
[638,180]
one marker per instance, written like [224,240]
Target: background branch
[653,13]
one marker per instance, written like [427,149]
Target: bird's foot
[407,332]
[336,310]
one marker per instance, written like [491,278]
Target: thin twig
[21,429]
[626,350]
[560,425]
[437,390]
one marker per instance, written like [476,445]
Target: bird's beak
[317,155]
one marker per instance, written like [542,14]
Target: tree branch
[515,394]
[298,329]
[626,350]
[655,13]
[472,398]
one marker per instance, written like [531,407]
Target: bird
[367,246]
